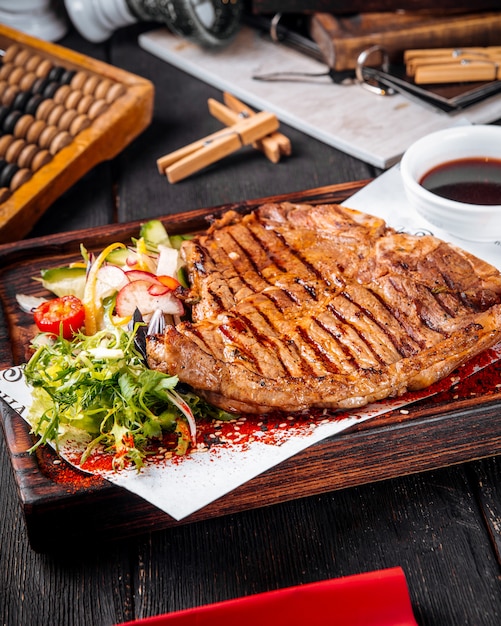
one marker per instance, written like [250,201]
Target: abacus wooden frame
[108,134]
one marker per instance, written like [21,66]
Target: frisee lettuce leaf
[100,384]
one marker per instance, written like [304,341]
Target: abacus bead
[14,150]
[102,89]
[67,77]
[60,141]
[90,84]
[22,125]
[9,94]
[80,123]
[67,118]
[115,92]
[55,73]
[4,194]
[41,158]
[26,82]
[26,156]
[16,75]
[47,135]
[4,111]
[85,103]
[98,108]
[32,63]
[21,100]
[5,141]
[33,103]
[51,89]
[43,68]
[55,114]
[5,71]
[40,84]
[62,93]
[73,99]
[20,177]
[45,108]
[10,121]
[21,57]
[7,174]
[79,79]
[34,131]
[11,53]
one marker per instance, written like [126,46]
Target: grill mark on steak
[402,350]
[290,357]
[388,337]
[258,253]
[234,335]
[288,259]
[267,240]
[337,334]
[324,359]
[310,268]
[270,330]
[297,307]
[268,352]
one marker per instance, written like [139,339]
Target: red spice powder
[59,471]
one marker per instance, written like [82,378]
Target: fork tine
[157,323]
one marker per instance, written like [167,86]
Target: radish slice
[157,289]
[137,294]
[110,279]
[133,275]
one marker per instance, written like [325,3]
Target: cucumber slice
[154,233]
[64,281]
[118,256]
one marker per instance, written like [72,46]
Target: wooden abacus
[61,113]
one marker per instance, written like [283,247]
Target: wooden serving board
[126,116]
[61,504]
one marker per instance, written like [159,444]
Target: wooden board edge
[188,221]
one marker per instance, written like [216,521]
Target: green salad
[90,375]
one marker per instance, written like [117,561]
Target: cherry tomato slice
[63,315]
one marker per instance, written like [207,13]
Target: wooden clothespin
[199,154]
[451,65]
[273,146]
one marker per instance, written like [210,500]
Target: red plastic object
[379,598]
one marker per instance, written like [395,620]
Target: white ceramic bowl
[472,222]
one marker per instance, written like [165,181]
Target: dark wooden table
[442,527]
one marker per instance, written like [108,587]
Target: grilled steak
[298,306]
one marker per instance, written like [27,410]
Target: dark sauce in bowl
[473,181]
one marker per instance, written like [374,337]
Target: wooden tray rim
[39,494]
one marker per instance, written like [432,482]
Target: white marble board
[373,128]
